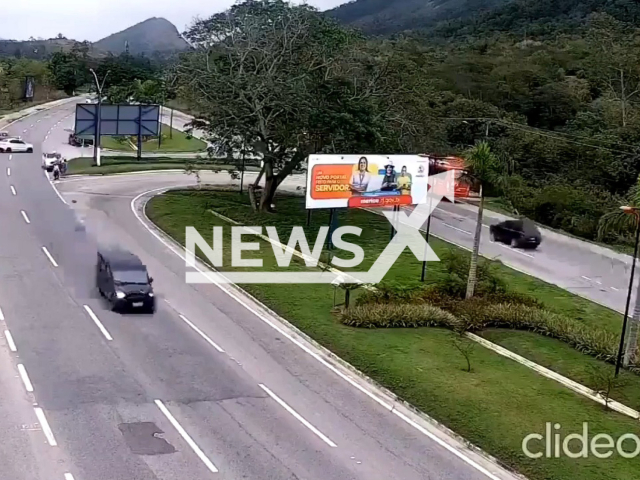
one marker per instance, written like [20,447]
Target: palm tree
[484,169]
[622,222]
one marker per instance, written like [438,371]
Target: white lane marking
[451,449]
[46,252]
[13,190]
[1,315]
[456,228]
[186,437]
[613,288]
[10,157]
[24,131]
[25,378]
[46,429]
[46,137]
[586,278]
[10,342]
[298,417]
[30,126]
[8,172]
[98,323]
[515,250]
[54,187]
[201,333]
[39,121]
[24,215]
[598,282]
[68,476]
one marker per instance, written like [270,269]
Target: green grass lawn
[112,164]
[495,406]
[176,142]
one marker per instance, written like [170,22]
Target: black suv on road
[521,233]
[123,280]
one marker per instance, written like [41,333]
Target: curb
[12,118]
[410,414]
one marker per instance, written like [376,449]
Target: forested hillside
[383,17]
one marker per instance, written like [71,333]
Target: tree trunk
[269,191]
[473,267]
[631,341]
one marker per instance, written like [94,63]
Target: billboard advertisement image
[355,181]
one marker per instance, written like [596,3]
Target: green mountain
[153,36]
[383,17]
[455,18]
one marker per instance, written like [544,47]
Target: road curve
[205,388]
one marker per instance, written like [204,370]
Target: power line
[546,133]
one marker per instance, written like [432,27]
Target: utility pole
[96,140]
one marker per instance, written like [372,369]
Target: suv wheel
[492,236]
[8,150]
[514,242]
[29,150]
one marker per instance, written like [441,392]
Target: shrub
[397,315]
[390,292]
[478,314]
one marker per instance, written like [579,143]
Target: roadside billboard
[354,181]
[29,88]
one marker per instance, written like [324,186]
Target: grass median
[114,164]
[494,406]
[176,142]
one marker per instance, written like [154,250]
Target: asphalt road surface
[208,387]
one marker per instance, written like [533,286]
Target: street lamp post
[635,212]
[96,140]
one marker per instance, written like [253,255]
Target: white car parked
[8,145]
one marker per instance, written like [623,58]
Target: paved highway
[208,387]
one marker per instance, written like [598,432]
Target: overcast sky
[95,19]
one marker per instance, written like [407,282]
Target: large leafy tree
[284,81]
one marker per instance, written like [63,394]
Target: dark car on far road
[123,280]
[521,233]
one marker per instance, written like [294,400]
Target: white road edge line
[186,437]
[46,429]
[1,315]
[98,323]
[313,354]
[13,190]
[68,476]
[10,342]
[298,417]
[456,228]
[613,288]
[25,378]
[24,215]
[201,333]
[54,187]
[46,252]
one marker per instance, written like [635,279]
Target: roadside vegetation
[173,141]
[121,164]
[406,335]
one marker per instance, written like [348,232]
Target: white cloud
[94,19]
